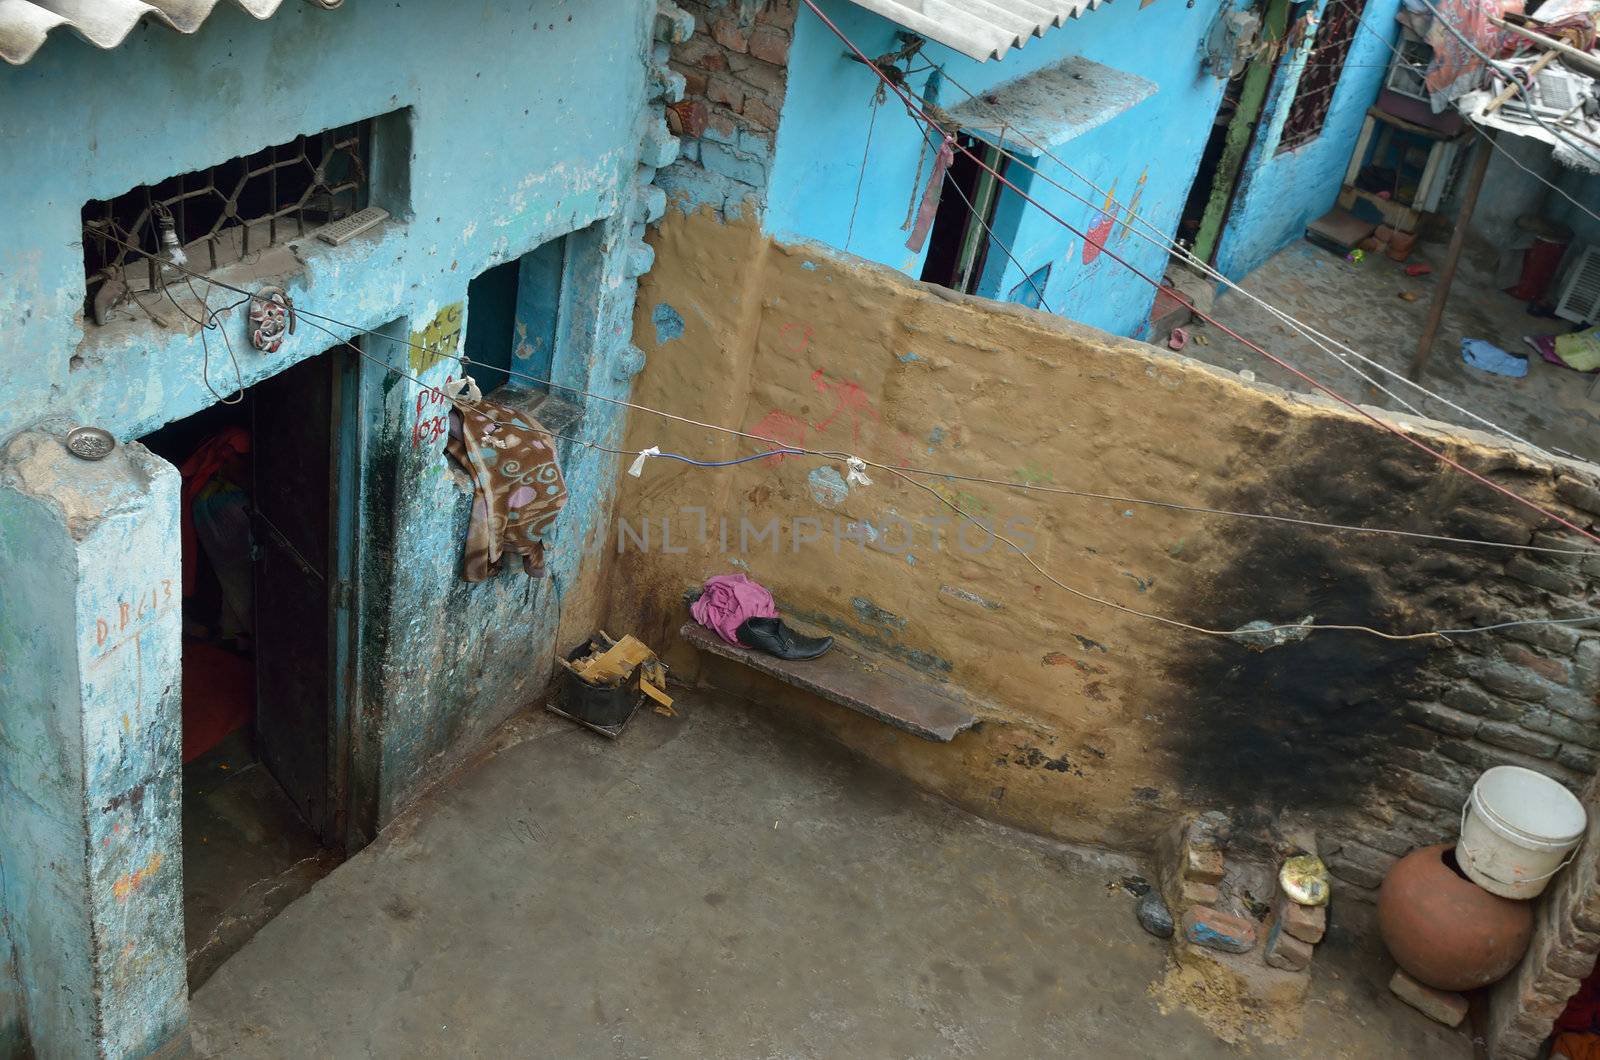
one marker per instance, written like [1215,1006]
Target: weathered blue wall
[1279,193]
[1146,156]
[516,122]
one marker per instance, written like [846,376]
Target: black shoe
[773,637]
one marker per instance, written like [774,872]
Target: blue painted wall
[1146,156]
[515,122]
[1279,193]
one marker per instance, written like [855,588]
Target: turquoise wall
[513,123]
[1279,193]
[1145,156]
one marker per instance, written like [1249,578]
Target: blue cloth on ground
[1486,355]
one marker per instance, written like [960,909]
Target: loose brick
[1285,951]
[1217,930]
[770,44]
[1206,866]
[1308,923]
[1542,576]
[1579,494]
[1197,893]
[1441,718]
[1440,1006]
[1513,738]
[728,33]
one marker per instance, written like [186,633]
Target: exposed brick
[1487,526]
[689,116]
[1308,923]
[1437,766]
[1579,759]
[770,44]
[1474,700]
[765,78]
[724,90]
[1441,718]
[735,165]
[1559,639]
[702,53]
[694,80]
[1197,892]
[1563,728]
[1421,811]
[730,34]
[720,127]
[1285,951]
[1434,792]
[1586,664]
[1440,1006]
[1217,930]
[1542,576]
[1579,494]
[1203,865]
[778,13]
[1553,670]
[759,113]
[1515,738]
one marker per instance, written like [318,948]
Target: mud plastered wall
[1099,725]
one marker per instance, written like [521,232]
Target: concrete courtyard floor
[1361,306]
[719,885]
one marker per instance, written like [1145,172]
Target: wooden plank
[884,691]
[1458,238]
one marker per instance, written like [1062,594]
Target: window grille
[1319,78]
[224,213]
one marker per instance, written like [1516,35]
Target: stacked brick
[1522,696]
[735,69]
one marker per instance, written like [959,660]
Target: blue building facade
[1117,106]
[511,147]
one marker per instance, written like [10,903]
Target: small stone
[1154,916]
[1442,1006]
[1210,831]
[1203,865]
[1285,951]
[1217,930]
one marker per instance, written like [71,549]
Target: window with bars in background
[222,214]
[1320,76]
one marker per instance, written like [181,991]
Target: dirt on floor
[720,884]
[1363,305]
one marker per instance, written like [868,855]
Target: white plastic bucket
[1518,829]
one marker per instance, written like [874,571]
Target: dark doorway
[958,246]
[266,553]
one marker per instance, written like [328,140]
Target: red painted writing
[432,421]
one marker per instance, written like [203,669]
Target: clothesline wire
[1232,634]
[1511,494]
[310,316]
[1161,240]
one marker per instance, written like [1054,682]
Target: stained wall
[500,129]
[1097,724]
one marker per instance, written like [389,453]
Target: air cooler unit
[1580,292]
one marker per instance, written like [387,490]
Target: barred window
[223,213]
[1320,76]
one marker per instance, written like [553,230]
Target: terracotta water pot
[1445,930]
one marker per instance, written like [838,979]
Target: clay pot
[1445,930]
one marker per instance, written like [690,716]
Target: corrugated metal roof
[25,24]
[983,29]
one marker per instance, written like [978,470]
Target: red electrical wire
[917,111]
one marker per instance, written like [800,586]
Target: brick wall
[1526,697]
[735,70]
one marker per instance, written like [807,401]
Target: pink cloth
[930,195]
[729,599]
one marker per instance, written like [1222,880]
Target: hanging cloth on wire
[517,486]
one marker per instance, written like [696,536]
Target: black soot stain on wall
[1308,725]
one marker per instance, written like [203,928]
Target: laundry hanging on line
[518,488]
